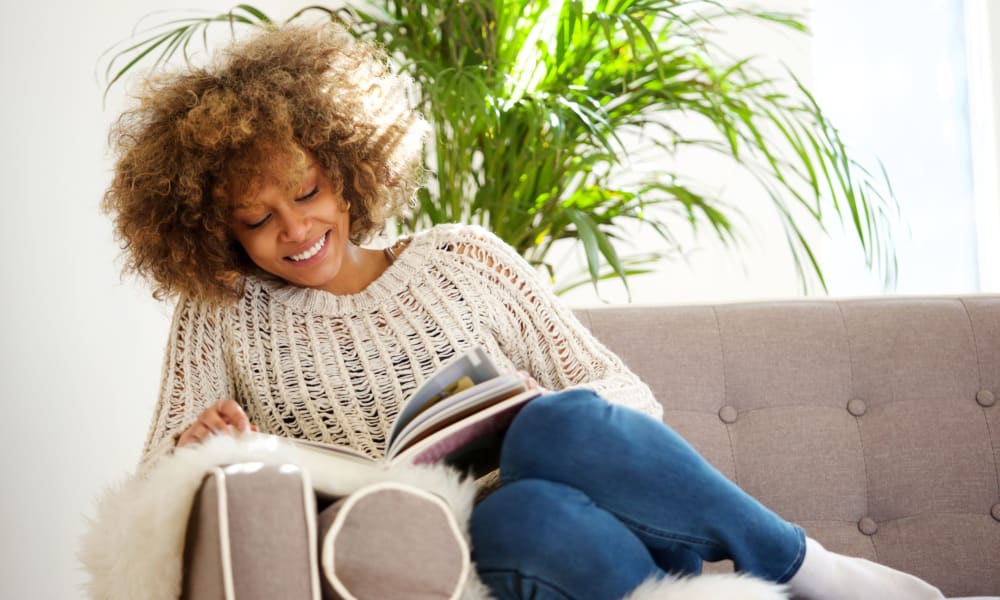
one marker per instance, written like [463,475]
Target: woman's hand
[219,418]
[530,382]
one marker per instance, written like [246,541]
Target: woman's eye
[309,196]
[259,223]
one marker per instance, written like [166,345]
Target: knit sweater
[309,364]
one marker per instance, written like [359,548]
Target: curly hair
[199,142]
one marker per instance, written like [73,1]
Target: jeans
[597,498]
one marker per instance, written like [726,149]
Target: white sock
[826,575]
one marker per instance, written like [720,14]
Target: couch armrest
[252,535]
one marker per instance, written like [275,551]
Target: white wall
[81,351]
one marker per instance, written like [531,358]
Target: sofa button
[867,526]
[985,398]
[728,414]
[995,511]
[857,407]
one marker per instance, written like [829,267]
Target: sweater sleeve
[540,334]
[194,376]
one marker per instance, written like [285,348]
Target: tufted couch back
[873,423]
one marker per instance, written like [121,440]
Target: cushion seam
[725,394]
[979,368]
[857,419]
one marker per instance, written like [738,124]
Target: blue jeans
[597,498]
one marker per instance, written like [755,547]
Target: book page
[463,434]
[328,449]
[474,364]
[456,407]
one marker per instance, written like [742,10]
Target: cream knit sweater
[305,363]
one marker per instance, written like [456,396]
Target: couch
[873,423]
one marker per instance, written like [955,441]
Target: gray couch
[872,423]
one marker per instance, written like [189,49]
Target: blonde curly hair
[199,142]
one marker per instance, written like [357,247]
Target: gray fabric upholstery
[390,541]
[252,536]
[872,423]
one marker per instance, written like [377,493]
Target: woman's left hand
[530,382]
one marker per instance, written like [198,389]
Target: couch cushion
[390,541]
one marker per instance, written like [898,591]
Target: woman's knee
[554,408]
[543,539]
[555,422]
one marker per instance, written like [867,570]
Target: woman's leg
[655,483]
[526,541]
[651,480]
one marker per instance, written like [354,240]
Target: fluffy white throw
[133,547]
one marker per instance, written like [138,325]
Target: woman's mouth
[310,252]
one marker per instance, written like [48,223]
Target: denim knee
[548,431]
[551,416]
[539,539]
[551,408]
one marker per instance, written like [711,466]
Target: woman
[245,189]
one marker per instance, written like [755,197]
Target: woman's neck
[360,267]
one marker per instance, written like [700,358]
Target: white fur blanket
[134,543]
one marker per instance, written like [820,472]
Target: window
[895,79]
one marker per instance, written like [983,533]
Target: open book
[458,416]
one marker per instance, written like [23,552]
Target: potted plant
[538,108]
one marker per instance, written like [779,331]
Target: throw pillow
[390,541]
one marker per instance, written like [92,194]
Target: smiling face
[296,226]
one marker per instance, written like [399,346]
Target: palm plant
[540,109]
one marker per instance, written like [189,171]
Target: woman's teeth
[311,252]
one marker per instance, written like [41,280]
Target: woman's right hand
[216,419]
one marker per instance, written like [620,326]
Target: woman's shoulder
[252,291]
[472,246]
[460,238]
[215,307]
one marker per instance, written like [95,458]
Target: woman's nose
[295,227]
